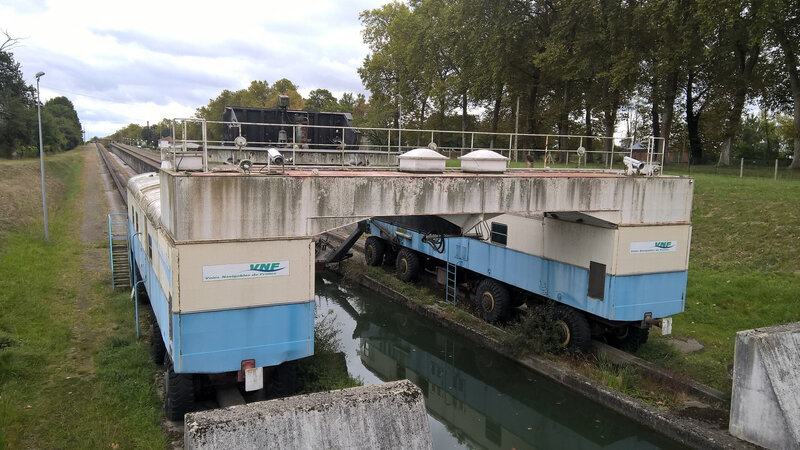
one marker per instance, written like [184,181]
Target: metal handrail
[654,145]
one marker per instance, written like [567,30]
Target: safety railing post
[205,146]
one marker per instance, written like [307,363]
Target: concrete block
[765,403]
[387,415]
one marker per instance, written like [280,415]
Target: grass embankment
[744,271]
[72,373]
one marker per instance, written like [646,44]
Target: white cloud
[123,62]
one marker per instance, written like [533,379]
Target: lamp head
[39,75]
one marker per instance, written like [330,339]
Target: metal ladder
[119,252]
[450,288]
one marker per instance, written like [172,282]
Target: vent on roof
[422,160]
[483,161]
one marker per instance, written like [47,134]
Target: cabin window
[499,233]
[136,221]
[150,247]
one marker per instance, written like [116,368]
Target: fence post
[741,168]
[776,168]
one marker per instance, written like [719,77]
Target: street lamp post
[41,152]
[400,122]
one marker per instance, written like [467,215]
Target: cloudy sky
[134,61]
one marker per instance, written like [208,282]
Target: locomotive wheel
[157,348]
[407,265]
[493,300]
[628,338]
[374,251]
[572,329]
[178,392]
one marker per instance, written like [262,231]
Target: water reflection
[475,398]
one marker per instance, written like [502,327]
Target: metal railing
[191,138]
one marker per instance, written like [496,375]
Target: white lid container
[421,160]
[483,161]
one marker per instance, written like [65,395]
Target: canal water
[474,398]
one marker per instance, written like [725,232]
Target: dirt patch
[707,415]
[93,228]
[94,264]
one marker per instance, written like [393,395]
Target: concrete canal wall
[379,416]
[765,406]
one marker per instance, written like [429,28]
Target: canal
[474,397]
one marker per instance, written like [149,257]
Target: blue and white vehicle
[229,306]
[604,278]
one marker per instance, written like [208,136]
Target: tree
[17,106]
[64,119]
[784,30]
[258,95]
[738,28]
[321,100]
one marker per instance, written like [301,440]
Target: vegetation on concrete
[327,369]
[72,373]
[630,380]
[533,332]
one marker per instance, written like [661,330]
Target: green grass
[71,371]
[750,171]
[744,270]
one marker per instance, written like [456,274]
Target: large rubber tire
[178,392]
[407,265]
[572,328]
[284,381]
[629,337]
[374,251]
[493,300]
[157,348]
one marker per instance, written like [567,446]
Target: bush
[533,332]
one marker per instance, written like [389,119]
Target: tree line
[19,126]
[694,68]
[717,77]
[259,94]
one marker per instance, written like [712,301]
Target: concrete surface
[387,415]
[307,203]
[765,405]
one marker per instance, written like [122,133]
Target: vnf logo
[266,267]
[663,244]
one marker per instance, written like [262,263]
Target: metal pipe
[741,168]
